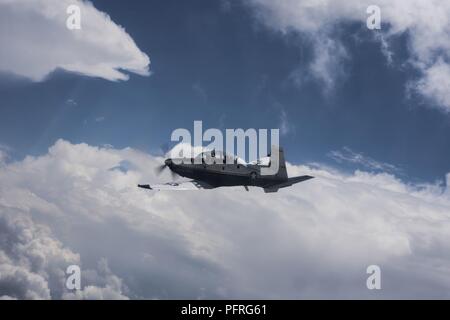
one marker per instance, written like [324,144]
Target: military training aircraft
[216,169]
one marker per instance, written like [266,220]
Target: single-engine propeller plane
[217,169]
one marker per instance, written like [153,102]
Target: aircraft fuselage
[226,174]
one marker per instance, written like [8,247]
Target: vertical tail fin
[277,164]
[282,172]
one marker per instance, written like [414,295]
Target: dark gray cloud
[33,263]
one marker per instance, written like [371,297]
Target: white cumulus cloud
[436,83]
[312,240]
[35,41]
[426,22]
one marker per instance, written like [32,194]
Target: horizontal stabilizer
[299,179]
[288,183]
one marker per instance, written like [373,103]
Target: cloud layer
[80,204]
[426,22]
[35,41]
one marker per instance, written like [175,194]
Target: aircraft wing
[186,185]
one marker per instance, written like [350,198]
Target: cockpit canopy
[265,161]
[219,156]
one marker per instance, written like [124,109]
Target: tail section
[298,179]
[288,183]
[282,172]
[277,164]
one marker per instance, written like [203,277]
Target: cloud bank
[79,204]
[426,22]
[35,41]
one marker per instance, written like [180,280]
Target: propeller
[162,167]
[165,148]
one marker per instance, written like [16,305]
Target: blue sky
[218,63]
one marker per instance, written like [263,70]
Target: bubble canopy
[220,156]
